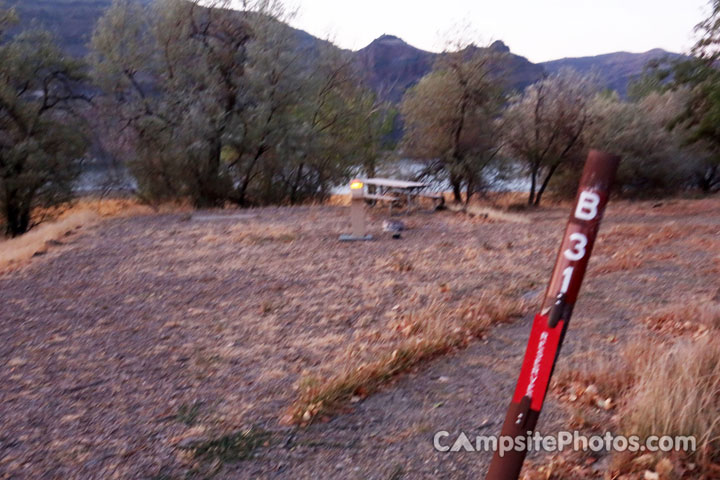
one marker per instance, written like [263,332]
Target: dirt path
[146,332]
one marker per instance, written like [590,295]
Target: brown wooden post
[550,325]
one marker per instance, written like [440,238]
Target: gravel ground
[141,335]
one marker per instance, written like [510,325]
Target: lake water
[96,179]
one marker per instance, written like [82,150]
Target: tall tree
[41,142]
[449,118]
[543,127]
[654,161]
[224,105]
[700,120]
[177,73]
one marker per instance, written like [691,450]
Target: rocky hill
[391,66]
[388,64]
[72,21]
[614,70]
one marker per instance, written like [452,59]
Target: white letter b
[587,207]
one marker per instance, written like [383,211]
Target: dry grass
[422,335]
[662,388]
[629,247]
[621,261]
[258,234]
[338,200]
[598,379]
[16,251]
[641,236]
[564,466]
[678,393]
[713,269]
[103,207]
[695,317]
[489,213]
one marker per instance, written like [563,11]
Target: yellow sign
[356,185]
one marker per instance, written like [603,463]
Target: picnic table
[393,191]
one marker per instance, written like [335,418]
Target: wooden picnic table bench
[395,184]
[393,191]
[386,198]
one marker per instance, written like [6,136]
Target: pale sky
[539,30]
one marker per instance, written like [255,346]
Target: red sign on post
[550,325]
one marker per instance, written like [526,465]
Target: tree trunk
[370,172]
[545,183]
[241,197]
[707,179]
[17,215]
[457,190]
[210,188]
[533,184]
[296,184]
[469,190]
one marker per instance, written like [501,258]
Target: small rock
[651,475]
[393,226]
[664,468]
[606,404]
[591,390]
[644,461]
[189,442]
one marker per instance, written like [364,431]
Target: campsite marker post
[357,208]
[550,325]
[357,213]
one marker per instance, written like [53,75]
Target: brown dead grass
[103,207]
[258,234]
[659,387]
[620,261]
[695,317]
[338,200]
[629,247]
[599,379]
[678,393]
[490,213]
[566,466]
[420,336]
[641,236]
[17,251]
